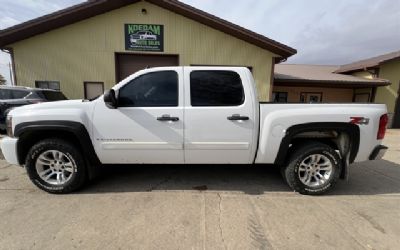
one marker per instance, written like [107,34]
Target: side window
[157,89]
[216,88]
[5,94]
[19,94]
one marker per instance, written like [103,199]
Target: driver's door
[147,126]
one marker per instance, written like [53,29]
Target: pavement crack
[219,219]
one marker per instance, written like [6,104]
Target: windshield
[53,95]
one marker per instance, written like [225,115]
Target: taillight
[382,126]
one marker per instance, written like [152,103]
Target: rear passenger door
[219,119]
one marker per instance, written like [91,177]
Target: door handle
[167,118]
[238,118]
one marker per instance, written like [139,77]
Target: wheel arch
[29,133]
[346,140]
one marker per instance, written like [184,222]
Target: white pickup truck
[191,115]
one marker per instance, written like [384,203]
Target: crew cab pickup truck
[192,115]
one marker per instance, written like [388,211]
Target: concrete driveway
[205,207]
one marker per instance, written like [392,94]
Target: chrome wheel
[315,170]
[54,167]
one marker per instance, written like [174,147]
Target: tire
[313,168]
[61,164]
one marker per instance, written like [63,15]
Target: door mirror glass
[109,99]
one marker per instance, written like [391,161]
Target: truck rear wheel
[56,166]
[313,168]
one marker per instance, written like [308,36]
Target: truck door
[220,120]
[147,126]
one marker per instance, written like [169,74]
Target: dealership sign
[144,37]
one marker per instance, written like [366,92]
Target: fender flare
[76,128]
[351,129]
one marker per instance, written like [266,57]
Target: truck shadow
[370,178]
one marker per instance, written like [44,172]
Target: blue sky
[323,31]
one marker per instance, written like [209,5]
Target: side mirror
[110,99]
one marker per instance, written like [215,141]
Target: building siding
[85,51]
[363,74]
[388,95]
[329,95]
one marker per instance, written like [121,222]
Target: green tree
[2,80]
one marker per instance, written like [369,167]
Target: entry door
[127,64]
[219,121]
[147,126]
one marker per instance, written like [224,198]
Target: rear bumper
[9,150]
[378,152]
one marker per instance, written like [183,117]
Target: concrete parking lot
[212,207]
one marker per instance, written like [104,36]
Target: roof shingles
[321,74]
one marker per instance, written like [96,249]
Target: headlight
[9,126]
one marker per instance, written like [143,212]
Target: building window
[93,89]
[215,88]
[157,89]
[280,97]
[48,85]
[308,97]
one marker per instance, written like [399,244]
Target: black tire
[78,177]
[291,174]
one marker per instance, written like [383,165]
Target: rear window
[53,95]
[216,88]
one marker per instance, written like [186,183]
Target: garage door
[127,64]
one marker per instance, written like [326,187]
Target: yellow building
[387,67]
[91,46]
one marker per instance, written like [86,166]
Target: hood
[68,104]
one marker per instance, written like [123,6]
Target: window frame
[315,93]
[159,106]
[280,92]
[37,82]
[207,106]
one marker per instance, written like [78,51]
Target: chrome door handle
[167,118]
[238,118]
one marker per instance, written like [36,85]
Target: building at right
[384,67]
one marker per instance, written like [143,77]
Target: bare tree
[2,80]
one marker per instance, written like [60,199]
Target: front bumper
[378,152]
[9,150]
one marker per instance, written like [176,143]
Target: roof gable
[92,8]
[368,63]
[325,74]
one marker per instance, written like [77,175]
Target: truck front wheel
[313,168]
[56,166]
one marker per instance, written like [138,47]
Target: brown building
[319,83]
